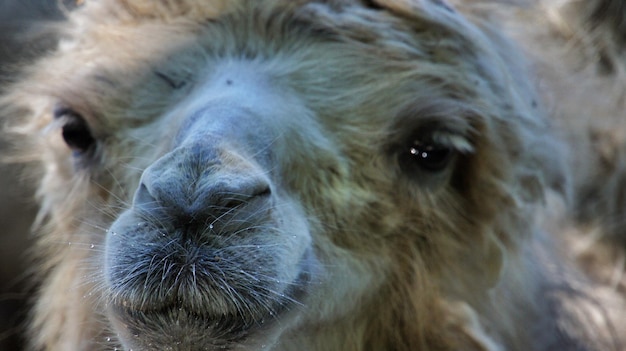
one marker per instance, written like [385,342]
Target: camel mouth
[181,323]
[210,300]
[210,244]
[221,288]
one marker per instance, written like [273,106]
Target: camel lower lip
[224,323]
[180,323]
[174,311]
[174,325]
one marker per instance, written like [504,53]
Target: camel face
[212,244]
[276,169]
[250,219]
[277,186]
[292,175]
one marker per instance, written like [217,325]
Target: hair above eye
[75,130]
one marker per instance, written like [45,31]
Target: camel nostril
[193,185]
[261,191]
[266,191]
[242,195]
[144,199]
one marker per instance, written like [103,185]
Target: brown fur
[360,249]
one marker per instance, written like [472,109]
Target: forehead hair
[112,42]
[391,61]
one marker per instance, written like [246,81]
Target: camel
[325,175]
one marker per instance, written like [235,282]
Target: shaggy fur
[315,175]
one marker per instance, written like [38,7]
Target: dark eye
[75,130]
[429,155]
[423,154]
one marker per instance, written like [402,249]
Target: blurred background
[20,42]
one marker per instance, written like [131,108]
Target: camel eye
[430,156]
[426,153]
[75,130]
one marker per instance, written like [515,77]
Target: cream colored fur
[318,99]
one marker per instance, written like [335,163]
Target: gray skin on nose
[194,188]
[210,178]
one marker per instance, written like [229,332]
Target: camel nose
[196,185]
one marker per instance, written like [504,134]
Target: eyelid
[170,80]
[62,110]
